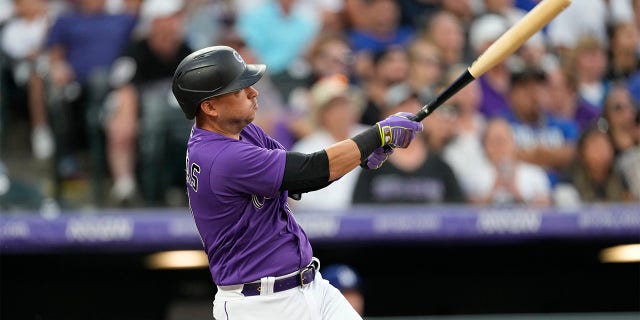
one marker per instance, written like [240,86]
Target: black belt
[302,278]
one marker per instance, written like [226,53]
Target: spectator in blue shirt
[82,45]
[542,139]
[279,32]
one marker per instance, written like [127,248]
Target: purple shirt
[586,115]
[243,219]
[493,104]
[91,41]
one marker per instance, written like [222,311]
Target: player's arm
[309,172]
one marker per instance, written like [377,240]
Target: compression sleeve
[367,141]
[305,172]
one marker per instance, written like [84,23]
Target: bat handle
[420,115]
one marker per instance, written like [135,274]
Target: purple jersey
[243,219]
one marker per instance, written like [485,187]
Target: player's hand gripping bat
[504,46]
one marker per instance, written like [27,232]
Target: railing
[159,229]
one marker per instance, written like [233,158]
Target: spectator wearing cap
[347,280]
[417,174]
[534,49]
[542,138]
[334,109]
[138,110]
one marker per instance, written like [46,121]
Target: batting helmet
[211,72]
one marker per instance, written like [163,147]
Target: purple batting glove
[397,131]
[378,157]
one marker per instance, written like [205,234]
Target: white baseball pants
[318,300]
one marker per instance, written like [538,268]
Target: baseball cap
[152,9]
[486,28]
[526,74]
[341,276]
[327,89]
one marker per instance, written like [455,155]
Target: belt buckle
[302,284]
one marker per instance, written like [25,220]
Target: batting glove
[377,158]
[398,130]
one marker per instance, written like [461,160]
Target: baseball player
[238,181]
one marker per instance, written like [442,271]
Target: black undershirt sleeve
[310,172]
[305,172]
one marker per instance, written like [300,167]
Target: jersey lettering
[193,176]
[257,203]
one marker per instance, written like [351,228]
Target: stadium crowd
[557,123]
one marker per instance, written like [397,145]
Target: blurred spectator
[347,280]
[620,121]
[283,123]
[586,18]
[624,59]
[565,103]
[207,22]
[440,127]
[620,117]
[468,127]
[594,176]
[495,82]
[416,12]
[507,180]
[448,33]
[381,27]
[633,85]
[330,55]
[534,49]
[6,10]
[541,138]
[82,46]
[425,71]
[464,10]
[291,31]
[415,175]
[140,107]
[22,38]
[588,60]
[390,66]
[332,12]
[18,195]
[378,29]
[335,112]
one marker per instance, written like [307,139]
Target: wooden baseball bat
[504,46]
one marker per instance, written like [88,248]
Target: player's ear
[208,107]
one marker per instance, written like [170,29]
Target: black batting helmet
[211,72]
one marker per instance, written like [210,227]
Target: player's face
[238,107]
